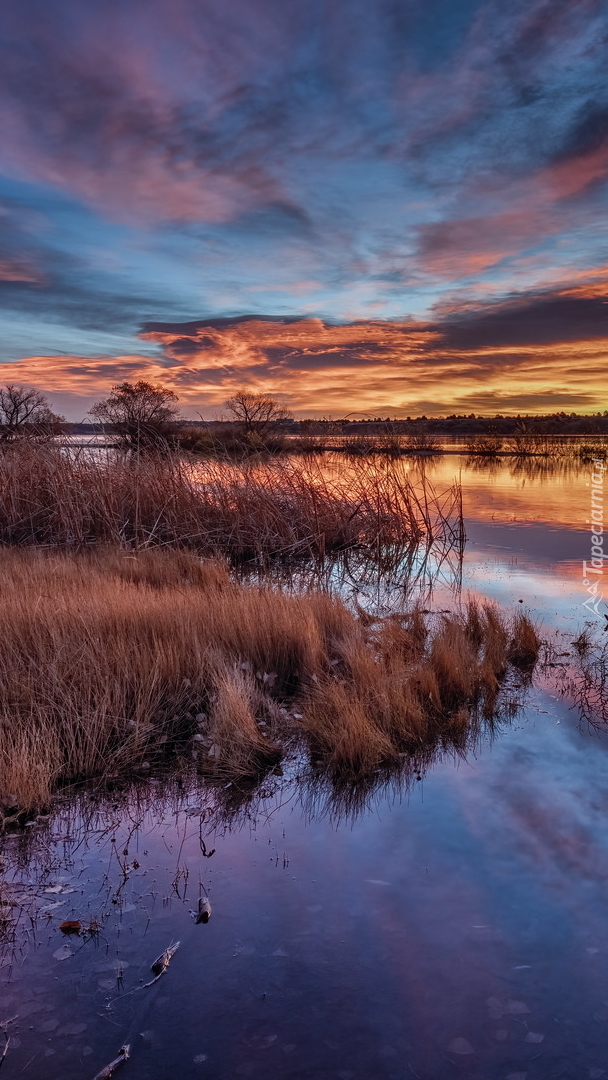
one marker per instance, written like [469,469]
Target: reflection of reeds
[7,917]
[249,513]
[587,682]
[112,661]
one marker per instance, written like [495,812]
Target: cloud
[509,354]
[20,269]
[531,320]
[178,110]
[362,173]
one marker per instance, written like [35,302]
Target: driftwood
[204,909]
[161,963]
[123,1055]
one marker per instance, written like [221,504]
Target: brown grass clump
[112,662]
[402,689]
[107,659]
[236,735]
[525,643]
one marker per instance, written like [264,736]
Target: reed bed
[112,662]
[247,512]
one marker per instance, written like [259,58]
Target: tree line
[140,415]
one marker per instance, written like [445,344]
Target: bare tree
[142,414]
[25,413]
[258,413]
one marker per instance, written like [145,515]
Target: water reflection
[429,932]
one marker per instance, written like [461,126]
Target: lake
[450,926]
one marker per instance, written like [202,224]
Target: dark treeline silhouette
[560,423]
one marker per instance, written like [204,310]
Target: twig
[3,1026]
[123,1055]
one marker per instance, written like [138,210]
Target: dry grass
[423,442]
[258,512]
[488,446]
[402,689]
[524,647]
[111,663]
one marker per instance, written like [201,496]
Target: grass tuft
[525,643]
[114,663]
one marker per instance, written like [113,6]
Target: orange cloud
[380,368]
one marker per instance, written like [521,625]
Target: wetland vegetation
[201,659]
[113,662]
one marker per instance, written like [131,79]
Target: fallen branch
[123,1055]
[161,964]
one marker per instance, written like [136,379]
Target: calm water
[457,928]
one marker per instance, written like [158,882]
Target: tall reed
[252,512]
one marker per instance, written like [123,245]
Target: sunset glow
[368,209]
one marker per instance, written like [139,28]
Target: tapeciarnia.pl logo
[593,571]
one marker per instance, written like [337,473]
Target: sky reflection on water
[473,909]
[527,534]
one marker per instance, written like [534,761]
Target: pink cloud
[20,269]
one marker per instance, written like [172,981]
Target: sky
[364,207]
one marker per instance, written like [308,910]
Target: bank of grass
[113,663]
[260,512]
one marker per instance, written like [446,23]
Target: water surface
[455,927]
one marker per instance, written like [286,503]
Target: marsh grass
[252,513]
[486,446]
[524,647]
[114,663]
[423,442]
